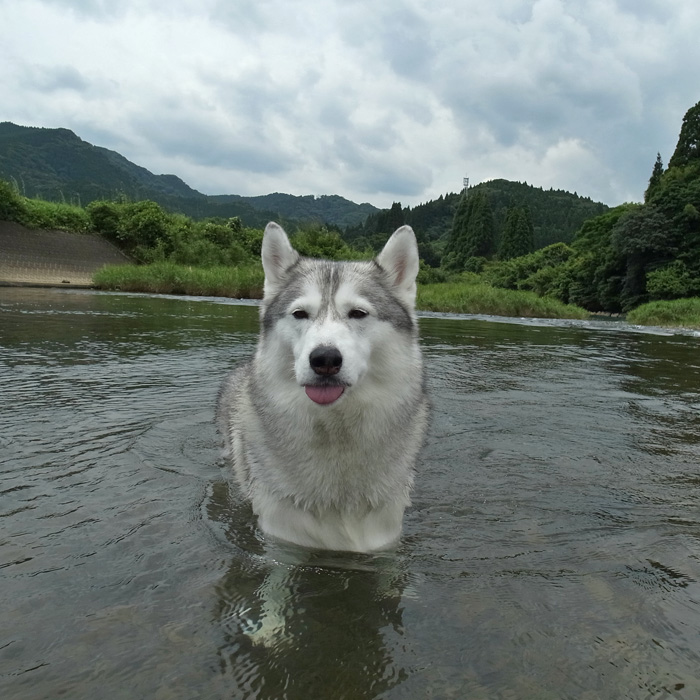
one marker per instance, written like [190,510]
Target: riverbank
[245,281]
[683,313]
[473,297]
[470,296]
[32,257]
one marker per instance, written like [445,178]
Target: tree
[472,232]
[655,179]
[11,205]
[317,241]
[518,234]
[646,240]
[688,146]
[395,218]
[142,224]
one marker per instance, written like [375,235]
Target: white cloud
[373,101]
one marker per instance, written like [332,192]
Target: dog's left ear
[277,257]
[399,258]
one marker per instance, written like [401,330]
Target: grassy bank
[684,313]
[168,278]
[480,298]
[247,281]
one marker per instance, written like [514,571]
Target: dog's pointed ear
[399,258]
[277,257]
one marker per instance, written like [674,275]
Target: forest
[579,252]
[632,254]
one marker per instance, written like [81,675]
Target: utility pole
[465,183]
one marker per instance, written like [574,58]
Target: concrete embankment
[52,258]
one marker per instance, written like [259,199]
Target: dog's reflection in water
[299,623]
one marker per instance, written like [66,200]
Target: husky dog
[325,424]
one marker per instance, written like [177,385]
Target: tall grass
[684,313]
[247,282]
[168,278]
[481,298]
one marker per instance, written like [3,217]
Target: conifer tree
[655,178]
[688,146]
[459,224]
[518,234]
[472,232]
[395,217]
[480,232]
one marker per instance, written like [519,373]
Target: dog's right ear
[277,257]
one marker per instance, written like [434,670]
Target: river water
[552,549]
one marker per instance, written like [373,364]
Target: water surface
[552,549]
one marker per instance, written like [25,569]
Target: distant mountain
[57,165]
[330,208]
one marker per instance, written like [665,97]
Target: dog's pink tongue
[324,394]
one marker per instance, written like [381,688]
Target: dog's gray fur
[334,474]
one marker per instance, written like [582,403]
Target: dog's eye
[357,313]
[300,314]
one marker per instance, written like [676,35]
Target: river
[552,549]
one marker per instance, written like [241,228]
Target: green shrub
[105,218]
[475,264]
[318,242]
[11,203]
[672,281]
[430,275]
[514,273]
[143,224]
[55,215]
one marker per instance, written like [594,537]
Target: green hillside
[332,209]
[556,216]
[58,166]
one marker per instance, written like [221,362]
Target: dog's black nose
[325,359]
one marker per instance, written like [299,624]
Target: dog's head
[337,321]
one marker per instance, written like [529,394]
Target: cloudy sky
[378,101]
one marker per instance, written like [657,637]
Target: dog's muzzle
[325,361]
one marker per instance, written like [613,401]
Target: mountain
[331,208]
[57,165]
[556,214]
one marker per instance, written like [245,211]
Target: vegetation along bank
[497,248]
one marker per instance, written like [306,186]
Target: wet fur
[333,476]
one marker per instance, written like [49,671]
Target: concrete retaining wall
[52,258]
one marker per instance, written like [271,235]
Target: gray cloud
[194,140]
[53,78]
[100,9]
[368,100]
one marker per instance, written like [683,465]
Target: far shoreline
[594,320]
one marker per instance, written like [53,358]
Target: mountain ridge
[57,165]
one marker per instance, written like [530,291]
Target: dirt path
[52,258]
